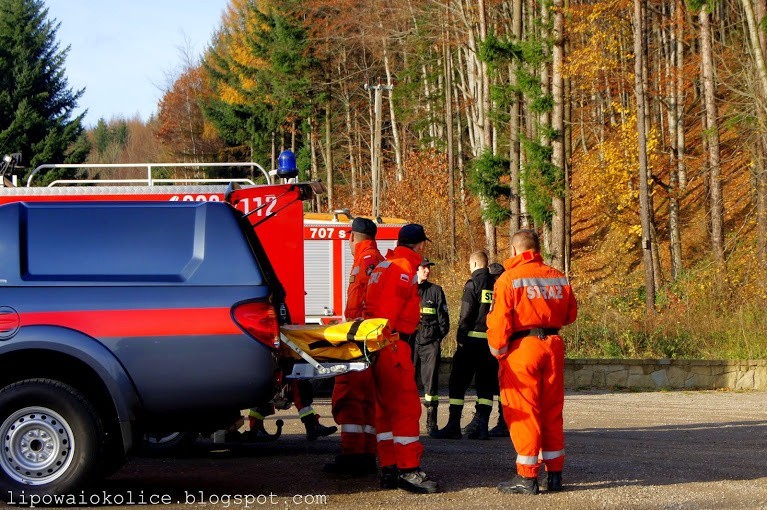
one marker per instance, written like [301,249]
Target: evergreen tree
[36,102]
[260,70]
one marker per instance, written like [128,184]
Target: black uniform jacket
[475,304]
[435,321]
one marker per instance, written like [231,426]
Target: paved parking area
[703,449]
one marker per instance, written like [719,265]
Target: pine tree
[36,102]
[260,71]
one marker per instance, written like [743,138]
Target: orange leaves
[181,125]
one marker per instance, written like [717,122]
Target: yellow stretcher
[332,350]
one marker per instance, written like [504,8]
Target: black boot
[520,485]
[315,429]
[354,464]
[471,428]
[431,418]
[453,428]
[482,415]
[389,477]
[500,429]
[417,481]
[554,481]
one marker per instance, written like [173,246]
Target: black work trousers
[426,361]
[472,359]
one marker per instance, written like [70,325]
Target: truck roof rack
[150,179]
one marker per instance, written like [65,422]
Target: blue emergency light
[286,165]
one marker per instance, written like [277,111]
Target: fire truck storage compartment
[328,261]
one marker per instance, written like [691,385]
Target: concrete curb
[656,374]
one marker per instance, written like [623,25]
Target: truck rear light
[259,320]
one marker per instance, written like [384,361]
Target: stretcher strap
[353,330]
[325,343]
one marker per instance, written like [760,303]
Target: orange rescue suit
[529,294]
[353,402]
[392,294]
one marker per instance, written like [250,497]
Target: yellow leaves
[239,26]
[608,180]
[230,95]
[601,31]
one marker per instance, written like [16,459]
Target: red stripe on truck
[139,323]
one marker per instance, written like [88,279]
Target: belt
[405,336]
[539,332]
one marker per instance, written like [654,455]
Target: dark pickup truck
[122,317]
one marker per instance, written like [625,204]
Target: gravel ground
[670,450]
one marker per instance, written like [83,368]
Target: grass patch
[693,321]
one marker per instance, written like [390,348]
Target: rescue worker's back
[531,302]
[540,296]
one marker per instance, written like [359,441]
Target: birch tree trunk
[557,144]
[484,87]
[314,164]
[394,128]
[346,99]
[757,38]
[677,177]
[644,190]
[448,69]
[712,134]
[329,155]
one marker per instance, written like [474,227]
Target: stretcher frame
[314,369]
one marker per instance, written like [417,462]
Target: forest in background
[631,134]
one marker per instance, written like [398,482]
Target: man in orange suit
[353,402]
[392,294]
[531,302]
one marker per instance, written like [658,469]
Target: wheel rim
[37,445]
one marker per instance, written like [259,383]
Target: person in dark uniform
[500,429]
[472,359]
[434,326]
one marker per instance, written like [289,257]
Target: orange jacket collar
[363,246]
[522,258]
[407,253]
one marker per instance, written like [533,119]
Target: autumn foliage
[469,81]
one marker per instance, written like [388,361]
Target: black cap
[364,226]
[412,233]
[426,263]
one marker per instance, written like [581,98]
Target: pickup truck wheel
[50,438]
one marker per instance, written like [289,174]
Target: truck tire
[51,438]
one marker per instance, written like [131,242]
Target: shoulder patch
[404,277]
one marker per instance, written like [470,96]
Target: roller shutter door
[318,260]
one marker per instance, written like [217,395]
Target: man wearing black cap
[434,326]
[353,401]
[392,294]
